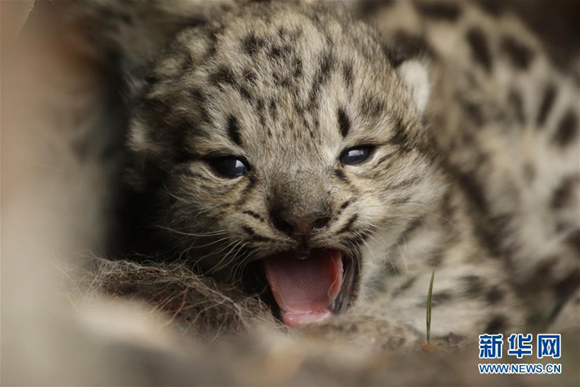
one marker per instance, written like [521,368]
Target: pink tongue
[304,289]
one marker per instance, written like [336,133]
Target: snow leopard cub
[271,136]
[302,152]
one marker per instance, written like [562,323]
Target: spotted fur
[475,171]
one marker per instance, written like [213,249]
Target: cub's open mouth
[310,289]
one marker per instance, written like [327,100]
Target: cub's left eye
[229,166]
[356,155]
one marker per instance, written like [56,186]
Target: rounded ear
[416,77]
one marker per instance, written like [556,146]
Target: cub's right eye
[230,167]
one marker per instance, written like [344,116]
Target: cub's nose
[299,204]
[300,226]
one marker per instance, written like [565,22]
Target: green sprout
[429,297]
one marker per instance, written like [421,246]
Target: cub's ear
[416,77]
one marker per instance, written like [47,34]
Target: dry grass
[197,305]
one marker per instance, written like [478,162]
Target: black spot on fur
[282,32]
[406,285]
[479,47]
[566,286]
[447,209]
[286,82]
[564,194]
[436,258]
[407,46]
[400,137]
[519,54]
[234,130]
[255,237]
[439,10]
[411,227]
[340,174]
[401,201]
[573,241]
[547,102]
[252,44]
[492,236]
[245,93]
[493,7]
[260,106]
[246,192]
[348,226]
[295,35]
[345,204]
[320,78]
[473,112]
[198,96]
[275,52]
[248,230]
[494,295]
[326,66]
[341,208]
[223,75]
[542,273]
[151,79]
[254,215]
[440,298]
[383,159]
[372,106]
[250,76]
[473,190]
[567,130]
[370,7]
[273,109]
[496,325]
[474,285]
[298,68]
[343,122]
[201,100]
[347,73]
[404,184]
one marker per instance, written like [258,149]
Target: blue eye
[230,167]
[357,155]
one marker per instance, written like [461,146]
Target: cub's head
[282,143]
